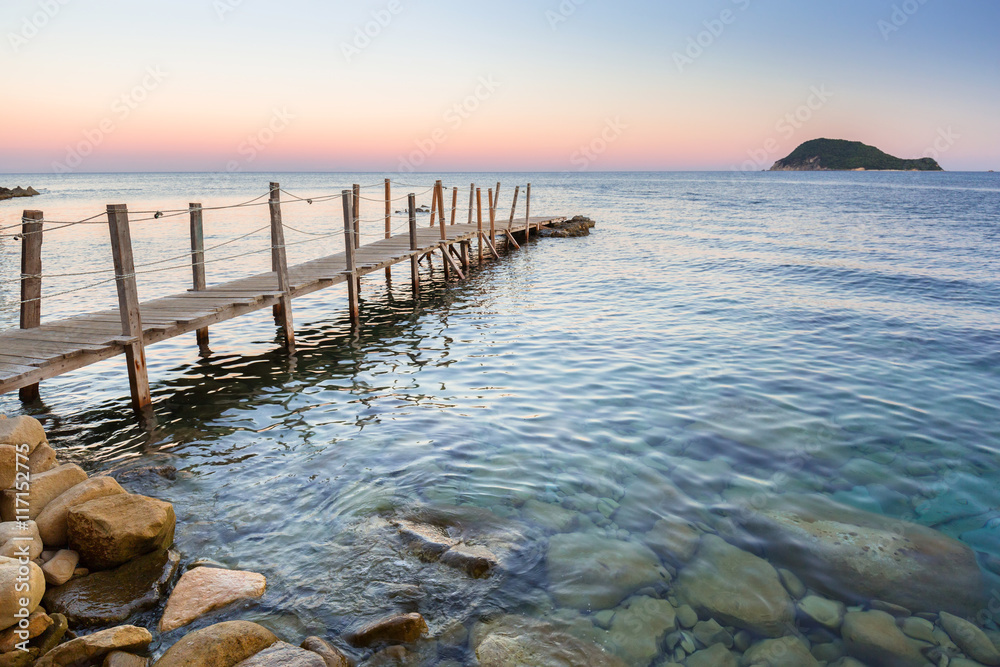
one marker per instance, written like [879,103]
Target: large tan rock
[205,589]
[855,556]
[52,520]
[281,654]
[22,430]
[330,654]
[11,594]
[90,648]
[45,488]
[973,641]
[220,645]
[60,568]
[736,588]
[12,539]
[38,622]
[110,531]
[8,466]
[43,459]
[123,659]
[874,638]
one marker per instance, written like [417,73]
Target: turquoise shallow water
[821,333]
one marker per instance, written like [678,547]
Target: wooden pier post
[356,207]
[414,259]
[434,203]
[439,188]
[31,283]
[493,203]
[472,200]
[128,306]
[388,222]
[479,217]
[278,251]
[527,213]
[198,266]
[510,223]
[454,205]
[350,234]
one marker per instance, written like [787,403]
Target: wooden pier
[36,352]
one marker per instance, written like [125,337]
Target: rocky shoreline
[795,580]
[7,193]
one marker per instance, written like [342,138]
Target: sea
[729,334]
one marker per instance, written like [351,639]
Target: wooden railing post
[356,207]
[414,259]
[493,210]
[513,207]
[479,217]
[388,221]
[128,306]
[527,213]
[454,205]
[198,265]
[350,234]
[472,200]
[439,188]
[31,283]
[281,260]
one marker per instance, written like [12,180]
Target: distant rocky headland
[841,155]
[7,193]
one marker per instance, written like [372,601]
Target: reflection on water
[836,336]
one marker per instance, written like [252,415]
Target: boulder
[60,568]
[38,622]
[639,626]
[51,637]
[8,466]
[12,534]
[43,459]
[402,629]
[590,572]
[113,530]
[874,638]
[736,588]
[45,488]
[11,598]
[578,226]
[52,520]
[784,652]
[281,654]
[84,650]
[855,556]
[205,589]
[22,430]
[104,598]
[123,659]
[517,641]
[331,656]
[220,645]
[973,641]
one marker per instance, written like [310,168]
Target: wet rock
[639,627]
[11,534]
[550,516]
[220,645]
[123,659]
[517,641]
[590,572]
[855,556]
[16,658]
[828,652]
[8,466]
[43,459]
[89,648]
[205,589]
[38,622]
[52,520]
[649,498]
[51,637]
[891,609]
[784,652]
[402,629]
[576,227]
[792,584]
[45,488]
[673,539]
[281,654]
[686,616]
[21,430]
[60,568]
[713,656]
[973,641]
[828,613]
[112,596]
[10,593]
[918,628]
[873,637]
[143,472]
[113,530]
[737,588]
[331,656]
[710,632]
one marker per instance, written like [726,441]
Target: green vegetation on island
[841,155]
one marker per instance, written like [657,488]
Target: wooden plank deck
[28,356]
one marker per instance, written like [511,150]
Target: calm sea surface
[832,333]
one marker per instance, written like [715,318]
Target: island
[842,155]
[7,193]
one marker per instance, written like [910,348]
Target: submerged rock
[639,627]
[517,641]
[855,555]
[590,572]
[737,588]
[104,598]
[784,652]
[970,639]
[873,637]
[402,629]
[649,498]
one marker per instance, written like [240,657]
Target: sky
[522,85]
